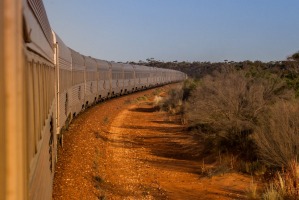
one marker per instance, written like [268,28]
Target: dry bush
[188,87]
[173,103]
[157,101]
[227,106]
[177,96]
[277,137]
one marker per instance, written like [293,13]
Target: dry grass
[277,136]
[251,191]
[227,106]
[174,101]
[271,193]
[285,184]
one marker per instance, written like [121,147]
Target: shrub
[227,105]
[188,87]
[173,103]
[277,137]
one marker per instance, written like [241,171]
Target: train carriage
[169,75]
[172,76]
[78,83]
[159,76]
[40,100]
[129,78]
[117,80]
[104,79]
[163,76]
[63,63]
[141,77]
[175,76]
[151,78]
[91,78]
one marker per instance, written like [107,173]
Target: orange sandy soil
[126,149]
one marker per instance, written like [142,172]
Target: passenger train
[44,84]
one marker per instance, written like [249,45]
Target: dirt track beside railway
[126,149]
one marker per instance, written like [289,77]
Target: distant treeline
[200,69]
[287,70]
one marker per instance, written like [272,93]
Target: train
[44,84]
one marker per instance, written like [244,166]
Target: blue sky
[183,30]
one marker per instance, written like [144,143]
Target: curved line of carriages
[84,81]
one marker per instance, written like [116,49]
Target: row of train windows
[129,75]
[142,75]
[39,77]
[104,75]
[116,75]
[90,76]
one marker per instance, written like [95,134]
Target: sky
[182,30]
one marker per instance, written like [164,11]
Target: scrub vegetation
[248,111]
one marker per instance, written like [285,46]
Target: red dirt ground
[125,149]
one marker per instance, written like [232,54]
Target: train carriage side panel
[104,76]
[167,75]
[150,77]
[78,83]
[146,76]
[152,73]
[41,114]
[91,87]
[40,99]
[137,77]
[176,76]
[141,79]
[38,33]
[63,63]
[159,76]
[164,76]
[117,80]
[129,83]
[172,77]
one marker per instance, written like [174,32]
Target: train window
[66,104]
[51,143]
[79,93]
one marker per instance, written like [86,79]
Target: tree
[294,57]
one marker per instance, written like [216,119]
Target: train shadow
[168,140]
[146,110]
